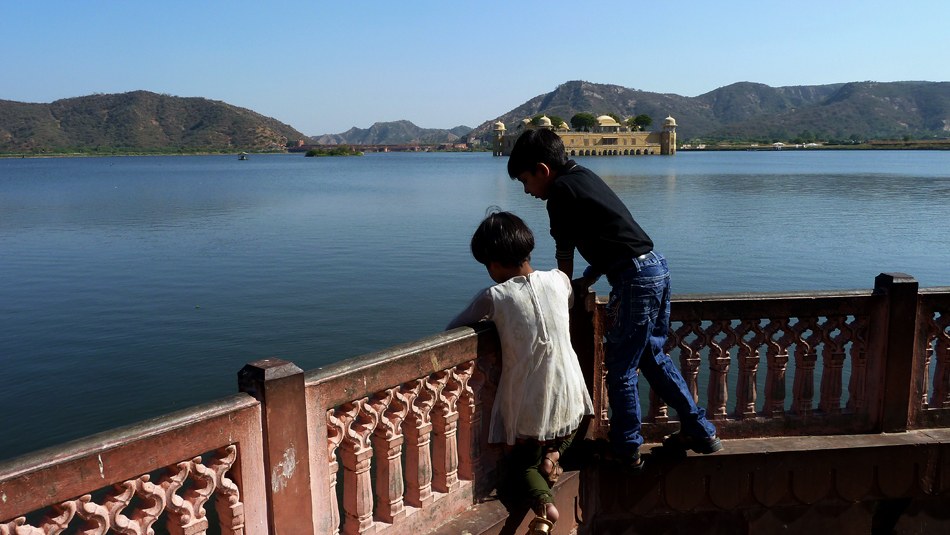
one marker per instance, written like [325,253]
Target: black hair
[504,238]
[540,145]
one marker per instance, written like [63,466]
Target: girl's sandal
[556,471]
[555,474]
[540,525]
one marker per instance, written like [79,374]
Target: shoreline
[131,154]
[870,145]
[18,156]
[873,146]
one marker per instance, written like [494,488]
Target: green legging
[527,458]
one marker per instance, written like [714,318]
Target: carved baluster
[335,429]
[227,500]
[101,518]
[470,420]
[832,359]
[598,394]
[445,430]
[748,358]
[857,395]
[186,513]
[60,515]
[806,354]
[941,391]
[154,504]
[489,366]
[602,400]
[387,442]
[417,428]
[357,454]
[689,355]
[777,358]
[718,391]
[56,521]
[18,525]
[659,411]
[928,354]
[172,479]
[673,339]
[151,507]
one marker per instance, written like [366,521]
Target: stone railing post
[417,428]
[587,339]
[445,418]
[279,386]
[901,388]
[470,423]
[717,394]
[356,454]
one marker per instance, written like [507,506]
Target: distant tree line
[340,150]
[583,122]
[806,136]
[556,121]
[126,151]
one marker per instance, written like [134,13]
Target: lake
[133,287]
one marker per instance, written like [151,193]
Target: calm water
[132,287]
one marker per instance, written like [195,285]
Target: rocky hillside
[138,120]
[865,109]
[395,132]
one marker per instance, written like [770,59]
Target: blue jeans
[638,320]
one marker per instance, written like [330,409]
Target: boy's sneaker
[630,463]
[678,442]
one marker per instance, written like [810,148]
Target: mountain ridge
[749,109]
[139,120]
[146,121]
[393,132]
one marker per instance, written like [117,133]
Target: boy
[587,215]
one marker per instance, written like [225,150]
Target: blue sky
[323,67]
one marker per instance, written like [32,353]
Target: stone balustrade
[805,363]
[405,433]
[934,329]
[124,481]
[394,442]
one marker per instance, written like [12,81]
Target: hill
[395,132]
[745,109]
[140,121]
[862,109]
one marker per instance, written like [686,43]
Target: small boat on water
[243,156]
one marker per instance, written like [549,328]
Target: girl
[541,396]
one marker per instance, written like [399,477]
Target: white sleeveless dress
[541,394]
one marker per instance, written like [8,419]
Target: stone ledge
[492,517]
[802,484]
[748,446]
[796,484]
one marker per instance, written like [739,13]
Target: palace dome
[606,120]
[544,122]
[499,125]
[669,122]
